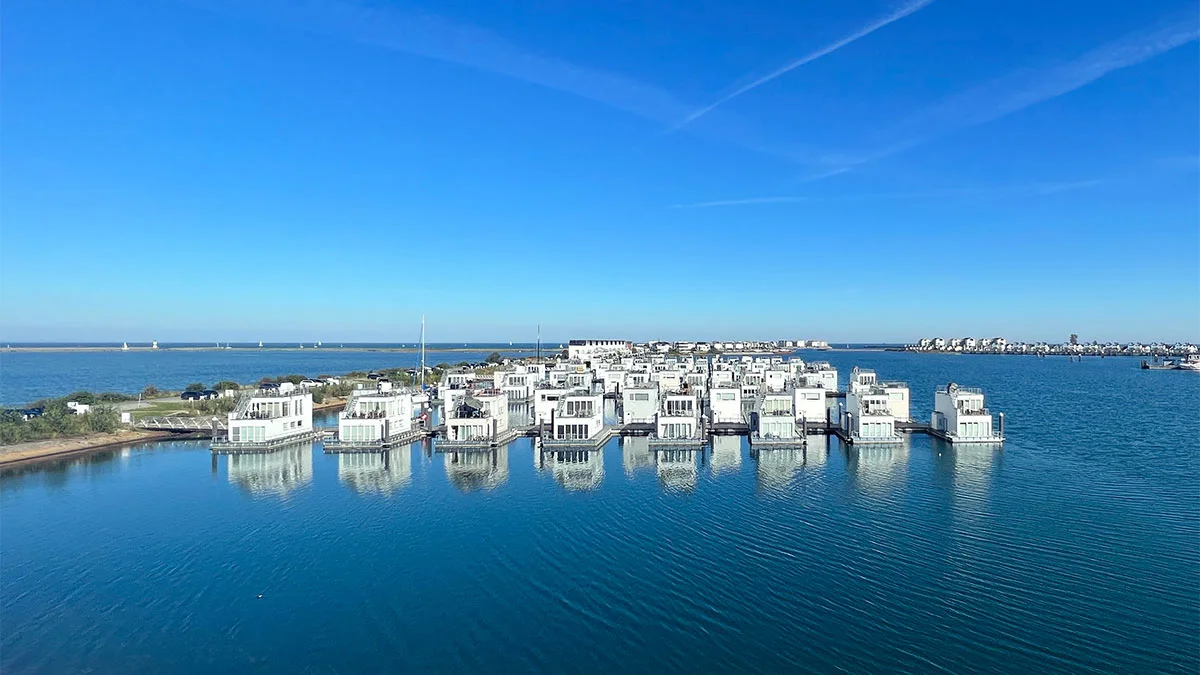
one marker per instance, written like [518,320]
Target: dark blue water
[28,376]
[1074,549]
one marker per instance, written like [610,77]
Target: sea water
[1074,548]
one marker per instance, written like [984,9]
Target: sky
[848,170]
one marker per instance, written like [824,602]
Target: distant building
[586,350]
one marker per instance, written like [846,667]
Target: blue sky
[849,170]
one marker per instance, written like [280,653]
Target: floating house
[725,403]
[578,417]
[639,403]
[268,417]
[376,418]
[867,417]
[480,418]
[678,420]
[959,416]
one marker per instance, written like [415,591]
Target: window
[641,397]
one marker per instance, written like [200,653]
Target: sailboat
[260,344]
[124,346]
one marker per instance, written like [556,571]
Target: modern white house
[454,385]
[516,382]
[480,418]
[545,402]
[376,417]
[867,417]
[678,419]
[725,403]
[639,404]
[961,417]
[821,374]
[898,400]
[810,404]
[776,419]
[268,417]
[578,417]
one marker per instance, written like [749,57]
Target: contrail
[866,30]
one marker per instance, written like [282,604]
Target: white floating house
[516,382]
[269,417]
[545,402]
[867,418]
[455,384]
[821,374]
[376,417]
[578,417]
[725,403]
[639,404]
[810,404]
[960,416]
[678,419]
[480,418]
[776,417]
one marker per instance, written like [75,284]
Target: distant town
[736,346]
[1072,347]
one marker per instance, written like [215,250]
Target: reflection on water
[676,467]
[580,469]
[973,466]
[277,472]
[776,468]
[383,472]
[878,467]
[471,470]
[726,456]
[635,454]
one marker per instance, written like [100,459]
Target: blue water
[1074,549]
[28,376]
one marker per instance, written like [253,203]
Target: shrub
[195,386]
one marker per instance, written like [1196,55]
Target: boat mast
[422,352]
[539,343]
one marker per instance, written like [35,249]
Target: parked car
[269,385]
[211,393]
[374,376]
[191,396]
[310,382]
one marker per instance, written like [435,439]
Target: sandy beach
[53,448]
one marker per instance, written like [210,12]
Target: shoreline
[33,452]
[50,449]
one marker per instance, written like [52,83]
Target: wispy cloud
[1016,190]
[432,37]
[900,13]
[1022,89]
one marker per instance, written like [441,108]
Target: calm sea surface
[1075,548]
[28,376]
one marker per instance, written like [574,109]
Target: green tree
[226,384]
[294,379]
[151,391]
[86,397]
[1074,339]
[318,396]
[494,357]
[195,386]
